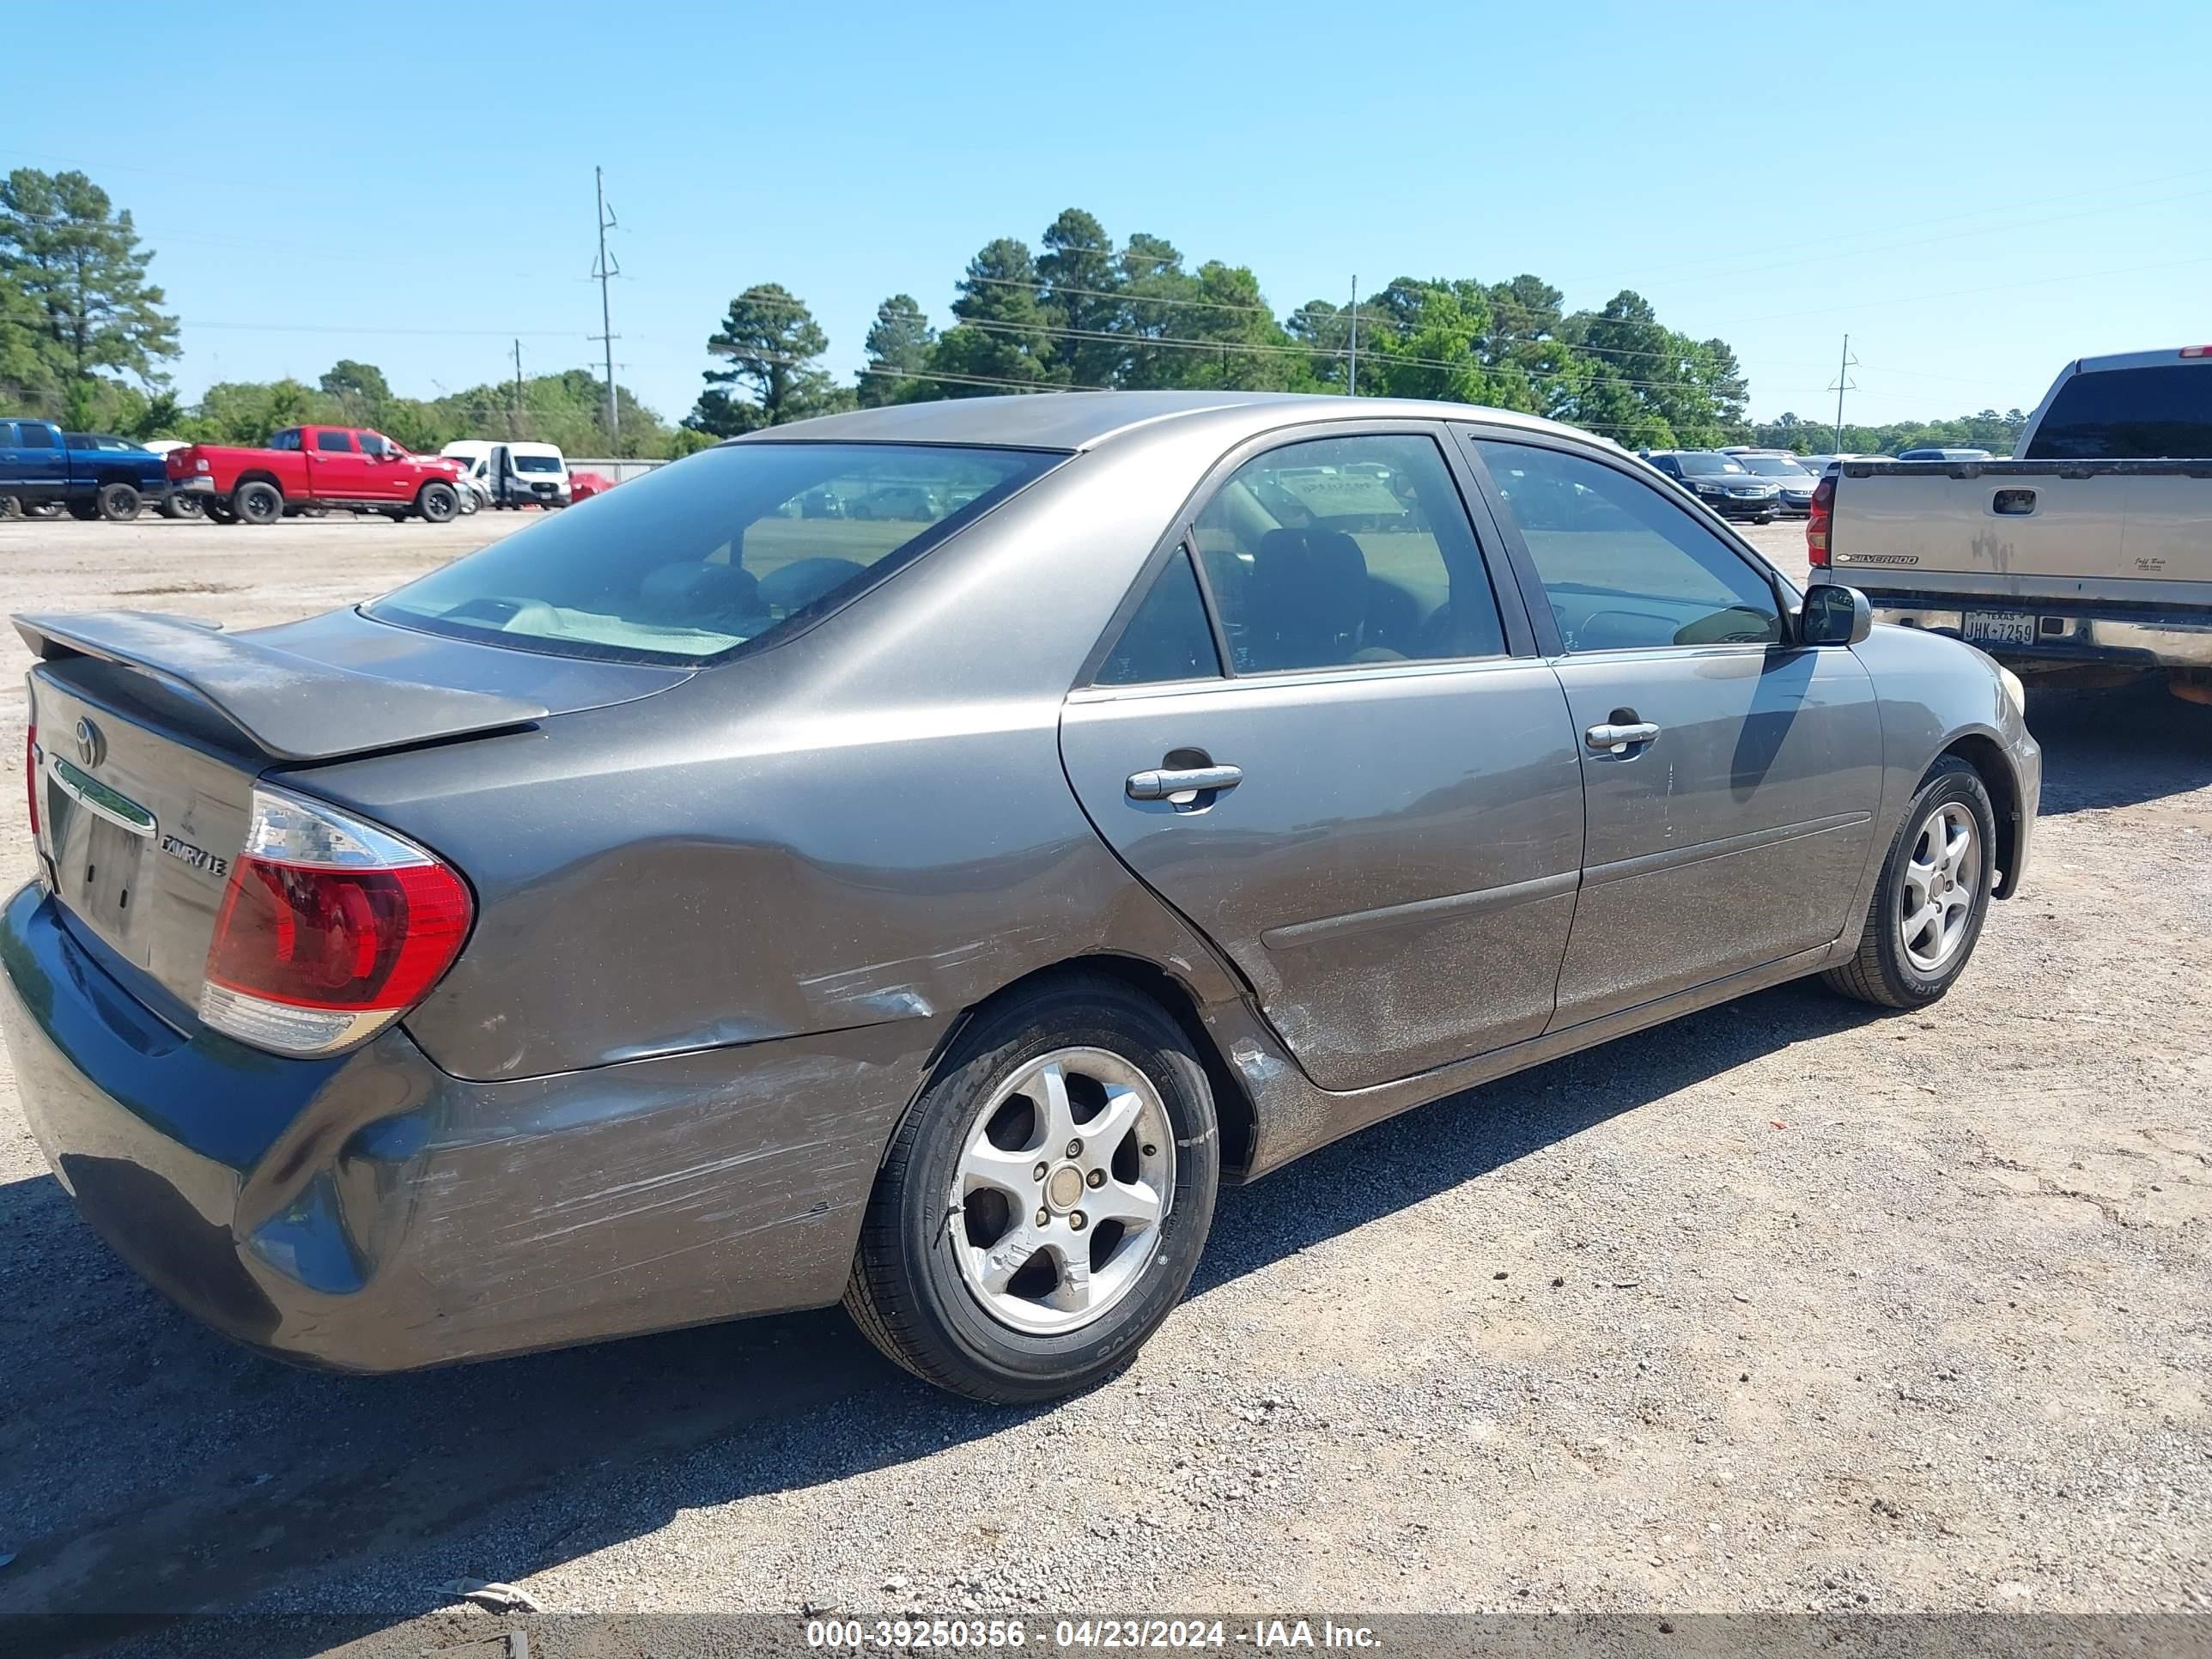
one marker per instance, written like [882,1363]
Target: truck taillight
[331,929]
[1818,519]
[2196,351]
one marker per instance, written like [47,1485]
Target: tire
[1898,966]
[437,502]
[178,505]
[119,503]
[10,507]
[916,1290]
[83,512]
[216,511]
[256,502]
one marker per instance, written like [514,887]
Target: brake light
[331,929]
[2196,351]
[1817,520]
[31,771]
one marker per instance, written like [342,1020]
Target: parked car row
[45,472]
[1722,482]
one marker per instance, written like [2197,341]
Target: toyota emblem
[91,747]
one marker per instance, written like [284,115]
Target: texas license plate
[2000,627]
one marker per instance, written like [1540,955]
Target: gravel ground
[1788,1306]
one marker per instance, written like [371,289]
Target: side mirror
[1834,615]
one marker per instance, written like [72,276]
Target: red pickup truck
[305,466]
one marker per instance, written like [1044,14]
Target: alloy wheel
[1942,876]
[1061,1185]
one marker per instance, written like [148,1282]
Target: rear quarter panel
[868,823]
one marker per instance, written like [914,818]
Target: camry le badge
[198,857]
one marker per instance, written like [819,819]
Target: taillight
[2196,351]
[1817,520]
[31,771]
[331,929]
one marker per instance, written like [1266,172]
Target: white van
[513,474]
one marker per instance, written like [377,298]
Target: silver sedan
[914,857]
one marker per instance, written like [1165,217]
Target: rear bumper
[373,1213]
[197,483]
[2064,631]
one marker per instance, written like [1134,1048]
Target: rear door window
[2129,414]
[34,436]
[716,553]
[1169,638]
[1337,551]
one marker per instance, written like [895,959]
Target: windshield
[1775,466]
[535,463]
[719,551]
[1707,466]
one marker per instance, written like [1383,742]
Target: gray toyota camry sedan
[914,857]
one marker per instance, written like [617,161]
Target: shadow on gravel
[2118,748]
[151,1465]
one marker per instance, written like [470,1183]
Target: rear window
[535,463]
[2129,415]
[724,549]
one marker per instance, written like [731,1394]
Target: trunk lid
[151,731]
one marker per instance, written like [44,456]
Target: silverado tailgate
[1908,521]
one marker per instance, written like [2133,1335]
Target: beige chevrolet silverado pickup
[2086,558]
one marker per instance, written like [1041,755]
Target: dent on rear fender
[667,946]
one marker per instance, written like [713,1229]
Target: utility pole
[1351,378]
[604,272]
[514,416]
[1843,383]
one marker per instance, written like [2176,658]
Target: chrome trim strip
[1672,858]
[86,791]
[1451,905]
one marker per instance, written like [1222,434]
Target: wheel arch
[1991,763]
[1232,1102]
[258,475]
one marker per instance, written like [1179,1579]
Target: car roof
[1085,420]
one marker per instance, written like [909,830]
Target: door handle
[1167,782]
[1611,740]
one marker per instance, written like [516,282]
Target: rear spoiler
[291,707]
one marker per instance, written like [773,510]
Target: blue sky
[1976,194]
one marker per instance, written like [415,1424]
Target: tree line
[1083,312]
[85,340]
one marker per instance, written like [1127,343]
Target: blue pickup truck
[89,474]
